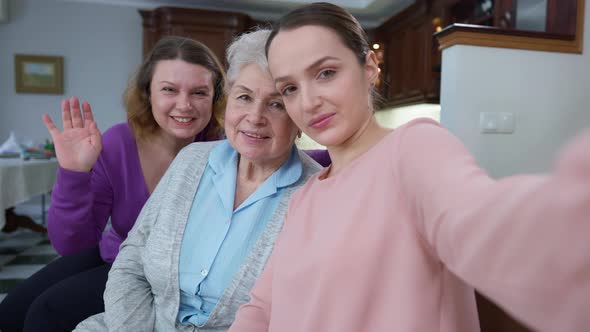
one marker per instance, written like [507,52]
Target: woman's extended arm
[522,241]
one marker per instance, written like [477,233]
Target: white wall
[549,93]
[101,45]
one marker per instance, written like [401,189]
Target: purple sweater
[82,202]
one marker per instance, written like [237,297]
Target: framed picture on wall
[39,74]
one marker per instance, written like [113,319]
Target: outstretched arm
[522,241]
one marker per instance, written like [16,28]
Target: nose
[184,103]
[257,115]
[308,99]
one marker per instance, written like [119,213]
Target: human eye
[276,105]
[244,97]
[167,89]
[201,93]
[288,90]
[326,74]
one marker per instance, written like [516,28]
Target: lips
[321,121]
[254,135]
[183,121]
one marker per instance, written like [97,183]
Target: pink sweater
[397,240]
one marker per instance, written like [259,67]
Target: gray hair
[246,49]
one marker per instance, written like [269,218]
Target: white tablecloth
[20,180]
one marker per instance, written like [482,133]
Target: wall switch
[506,123]
[496,122]
[488,122]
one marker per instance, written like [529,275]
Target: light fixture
[437,22]
[376,46]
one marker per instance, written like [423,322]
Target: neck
[369,134]
[251,175]
[251,172]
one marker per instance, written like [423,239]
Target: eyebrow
[244,88]
[204,86]
[315,64]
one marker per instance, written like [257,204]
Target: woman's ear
[371,67]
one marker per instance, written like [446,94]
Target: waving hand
[78,146]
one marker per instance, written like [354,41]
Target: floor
[23,252]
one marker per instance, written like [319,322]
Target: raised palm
[78,146]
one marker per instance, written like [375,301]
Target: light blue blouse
[218,238]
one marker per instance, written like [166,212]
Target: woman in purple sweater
[175,98]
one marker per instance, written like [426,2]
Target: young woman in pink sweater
[400,229]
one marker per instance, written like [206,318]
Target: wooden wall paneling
[394,66]
[559,14]
[412,58]
[425,69]
[150,30]
[403,55]
[216,39]
[216,29]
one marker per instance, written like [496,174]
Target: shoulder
[420,122]
[418,136]
[194,154]
[118,137]
[423,148]
[197,149]
[310,174]
[420,129]
[118,145]
[424,138]
[118,131]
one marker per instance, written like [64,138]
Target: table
[21,180]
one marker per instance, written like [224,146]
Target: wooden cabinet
[213,28]
[411,66]
[410,60]
[411,63]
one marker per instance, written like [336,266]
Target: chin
[186,134]
[250,154]
[328,139]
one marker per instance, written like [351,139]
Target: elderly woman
[206,232]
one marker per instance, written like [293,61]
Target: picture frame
[39,74]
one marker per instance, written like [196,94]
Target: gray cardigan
[142,291]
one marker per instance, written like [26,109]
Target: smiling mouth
[254,135]
[182,120]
